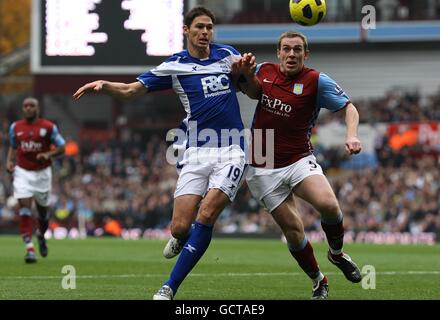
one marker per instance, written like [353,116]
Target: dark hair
[294,34]
[197,12]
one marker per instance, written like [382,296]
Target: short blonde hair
[293,34]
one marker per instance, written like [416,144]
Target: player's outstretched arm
[352,142]
[123,91]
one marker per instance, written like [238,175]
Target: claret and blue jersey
[30,139]
[206,91]
[291,107]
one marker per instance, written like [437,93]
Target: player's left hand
[95,86]
[353,145]
[43,156]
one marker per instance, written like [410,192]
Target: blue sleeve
[234,51]
[258,68]
[330,95]
[56,137]
[12,140]
[160,77]
[155,82]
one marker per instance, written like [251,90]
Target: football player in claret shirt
[29,160]
[290,96]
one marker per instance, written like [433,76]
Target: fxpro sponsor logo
[214,86]
[276,106]
[31,146]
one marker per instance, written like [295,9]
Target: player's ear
[185,30]
[278,53]
[306,54]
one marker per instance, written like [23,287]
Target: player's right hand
[91,86]
[248,64]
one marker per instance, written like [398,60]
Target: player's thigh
[269,186]
[316,190]
[286,215]
[21,184]
[276,197]
[42,210]
[212,205]
[228,177]
[25,202]
[184,213]
[42,200]
[262,181]
[193,180]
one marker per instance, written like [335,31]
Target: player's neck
[199,53]
[291,75]
[32,120]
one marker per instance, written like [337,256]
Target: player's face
[292,55]
[30,109]
[200,33]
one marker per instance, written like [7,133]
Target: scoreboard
[104,36]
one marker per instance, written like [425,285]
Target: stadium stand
[128,180]
[123,175]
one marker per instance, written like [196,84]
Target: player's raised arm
[352,143]
[123,91]
[247,66]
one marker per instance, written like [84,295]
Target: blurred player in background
[202,77]
[29,160]
[290,96]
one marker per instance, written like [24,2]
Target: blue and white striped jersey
[205,89]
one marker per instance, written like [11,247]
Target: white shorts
[211,168]
[272,186]
[33,184]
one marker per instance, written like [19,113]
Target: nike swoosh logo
[267,81]
[19,133]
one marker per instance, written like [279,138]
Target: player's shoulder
[177,56]
[326,80]
[17,124]
[224,49]
[266,68]
[45,123]
[310,72]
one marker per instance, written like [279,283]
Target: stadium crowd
[129,181]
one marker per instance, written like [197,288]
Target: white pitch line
[231,274]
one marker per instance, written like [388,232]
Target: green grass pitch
[231,269]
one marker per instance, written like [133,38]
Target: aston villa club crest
[298,88]
[43,132]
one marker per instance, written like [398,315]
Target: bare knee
[329,206]
[294,232]
[207,214]
[180,230]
